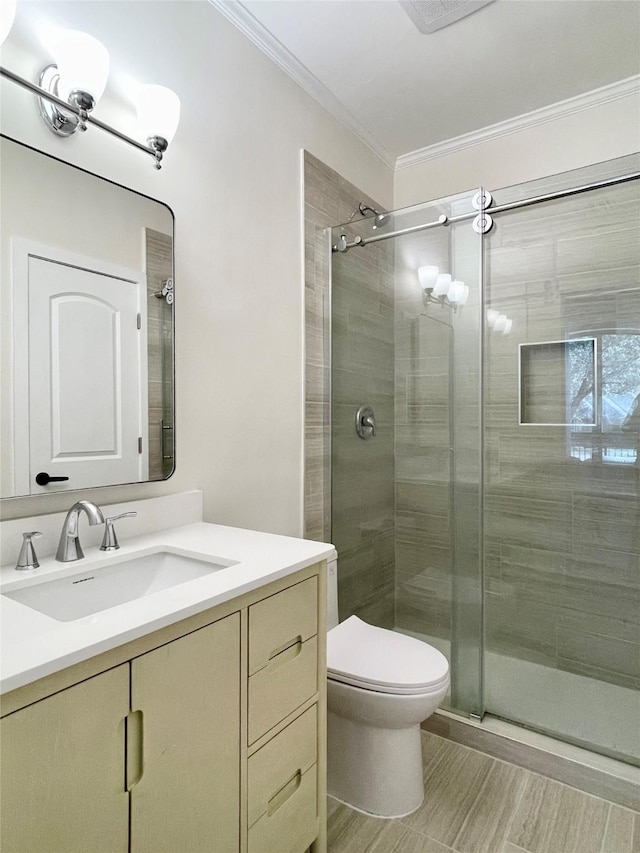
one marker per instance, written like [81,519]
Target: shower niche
[557,383]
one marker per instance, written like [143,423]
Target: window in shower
[615,437]
[591,385]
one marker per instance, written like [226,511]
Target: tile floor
[477,804]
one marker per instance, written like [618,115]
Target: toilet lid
[386,661]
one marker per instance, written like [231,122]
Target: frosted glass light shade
[501,323]
[458,292]
[442,285]
[427,276]
[7,14]
[83,64]
[507,326]
[158,111]
[492,316]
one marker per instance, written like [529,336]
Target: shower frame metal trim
[514,205]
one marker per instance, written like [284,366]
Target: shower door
[562,465]
[495,513]
[407,560]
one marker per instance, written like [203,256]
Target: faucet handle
[28,558]
[110,540]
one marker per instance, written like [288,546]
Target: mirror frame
[57,491]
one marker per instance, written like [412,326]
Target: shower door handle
[365,422]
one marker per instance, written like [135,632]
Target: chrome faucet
[69,548]
[28,558]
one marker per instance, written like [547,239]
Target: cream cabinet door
[187,797]
[62,767]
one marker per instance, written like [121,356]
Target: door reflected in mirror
[87,358]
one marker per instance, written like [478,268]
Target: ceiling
[402,91]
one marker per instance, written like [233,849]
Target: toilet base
[374,770]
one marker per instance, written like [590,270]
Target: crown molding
[595,98]
[234,11]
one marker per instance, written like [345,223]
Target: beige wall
[590,136]
[233,179]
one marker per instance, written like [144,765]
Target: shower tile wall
[562,523]
[562,530]
[363,332]
[159,266]
[363,491]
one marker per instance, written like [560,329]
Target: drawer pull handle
[286,651]
[281,797]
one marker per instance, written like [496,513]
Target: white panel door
[84,376]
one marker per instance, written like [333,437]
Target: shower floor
[568,706]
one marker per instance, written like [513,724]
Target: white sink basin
[97,589]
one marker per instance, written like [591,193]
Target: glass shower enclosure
[491,503]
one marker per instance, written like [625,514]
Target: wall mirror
[87,357]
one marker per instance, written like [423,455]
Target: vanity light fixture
[7,14]
[442,285]
[498,322]
[427,277]
[69,89]
[158,115]
[458,293]
[441,288]
[78,76]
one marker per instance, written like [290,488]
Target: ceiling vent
[432,15]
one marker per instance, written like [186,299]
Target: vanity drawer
[288,755]
[281,620]
[283,793]
[288,680]
[290,825]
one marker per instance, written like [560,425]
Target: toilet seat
[384,661]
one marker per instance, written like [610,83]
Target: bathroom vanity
[192,718]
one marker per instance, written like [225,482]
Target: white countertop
[34,645]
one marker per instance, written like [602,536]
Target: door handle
[134,749]
[43,479]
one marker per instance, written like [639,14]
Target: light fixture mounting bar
[72,108]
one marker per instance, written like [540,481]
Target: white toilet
[381,686]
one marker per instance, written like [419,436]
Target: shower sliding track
[343,244]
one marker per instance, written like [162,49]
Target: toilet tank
[332,594]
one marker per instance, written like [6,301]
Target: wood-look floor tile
[490,816]
[431,746]
[352,832]
[553,818]
[635,843]
[508,847]
[412,841]
[618,836]
[452,782]
[332,806]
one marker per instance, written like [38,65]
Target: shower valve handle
[365,422]
[369,422]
